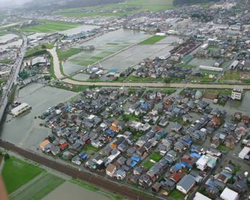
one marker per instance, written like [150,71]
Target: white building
[20,109]
[229,194]
[210,68]
[202,162]
[237,93]
[244,152]
[234,64]
[204,46]
[199,196]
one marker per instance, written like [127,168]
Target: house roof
[229,194]
[187,182]
[199,196]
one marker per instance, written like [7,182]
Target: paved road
[60,76]
[74,173]
[13,77]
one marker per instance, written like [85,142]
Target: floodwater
[25,130]
[105,46]
[78,30]
[136,54]
[198,62]
[72,191]
[6,38]
[245,105]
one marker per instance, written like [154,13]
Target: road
[13,77]
[74,173]
[62,77]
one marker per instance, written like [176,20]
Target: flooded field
[26,130]
[72,191]
[105,45]
[132,56]
[198,62]
[78,30]
[136,54]
[245,105]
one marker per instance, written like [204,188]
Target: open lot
[50,26]
[28,128]
[39,188]
[17,172]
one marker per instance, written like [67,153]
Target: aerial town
[125,99]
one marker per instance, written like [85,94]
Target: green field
[176,194]
[17,172]
[143,80]
[40,188]
[66,54]
[5,61]
[146,5]
[186,65]
[38,50]
[47,26]
[231,75]
[154,39]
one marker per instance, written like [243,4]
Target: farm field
[47,26]
[151,5]
[68,53]
[39,188]
[17,172]
[152,40]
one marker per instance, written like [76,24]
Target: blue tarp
[187,165]
[133,164]
[178,166]
[195,155]
[136,159]
[110,132]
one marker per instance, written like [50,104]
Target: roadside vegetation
[38,50]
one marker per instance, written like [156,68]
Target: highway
[13,77]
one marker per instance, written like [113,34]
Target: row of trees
[188,2]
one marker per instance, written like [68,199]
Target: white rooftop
[199,196]
[229,194]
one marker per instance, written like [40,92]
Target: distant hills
[189,2]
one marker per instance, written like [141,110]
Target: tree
[6,156]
